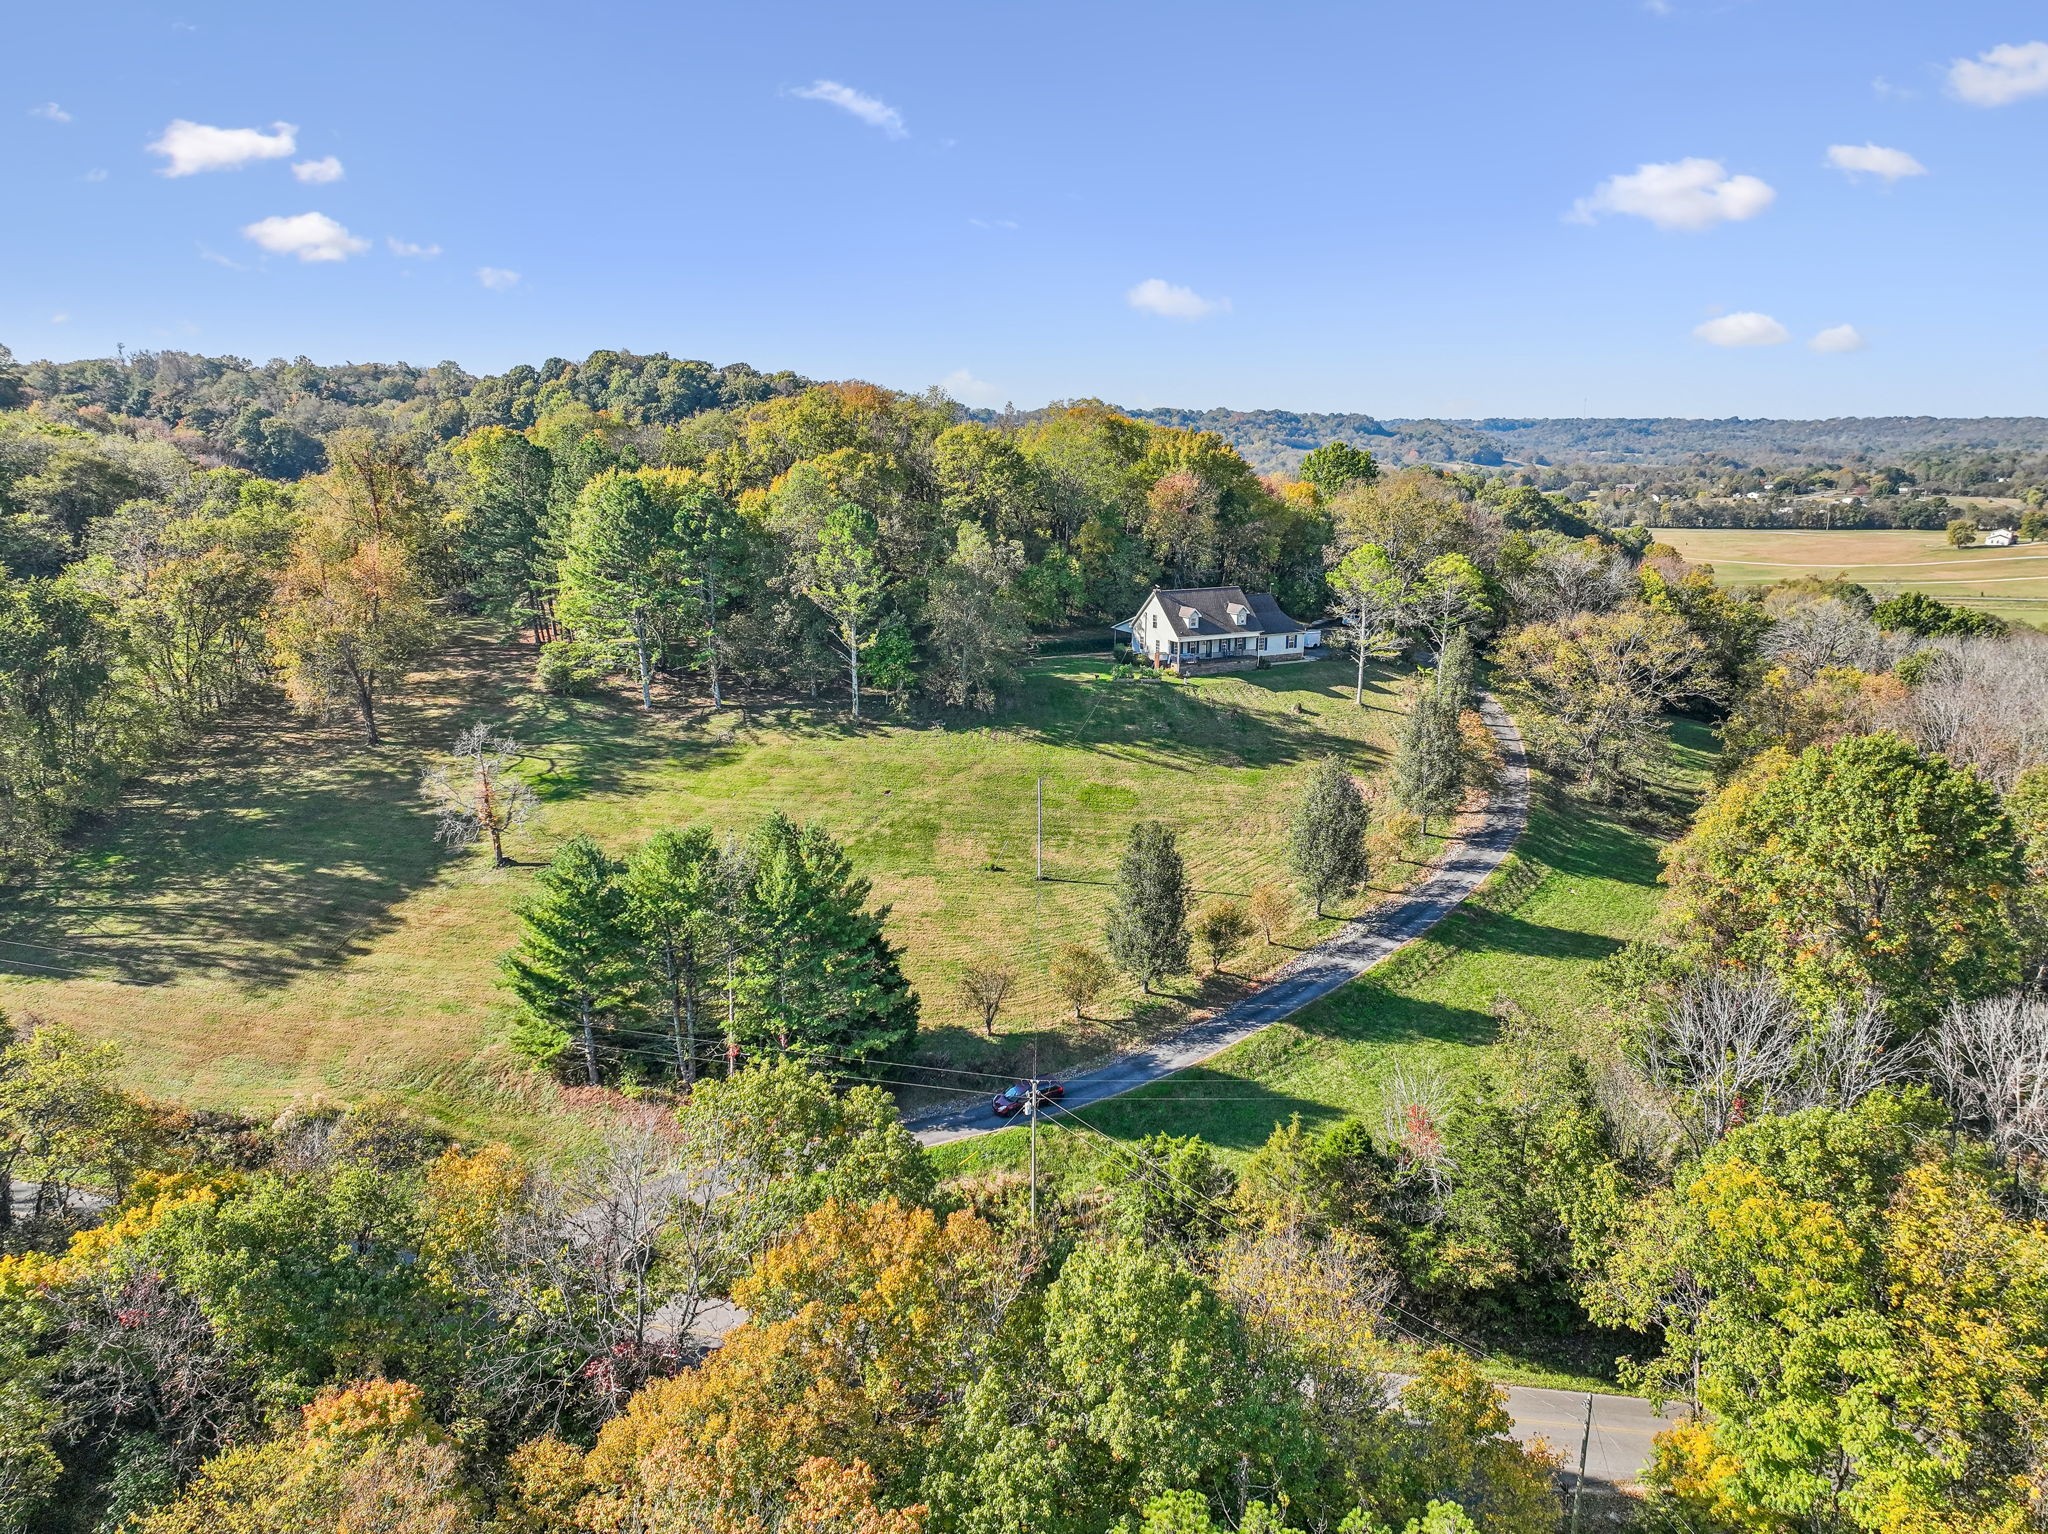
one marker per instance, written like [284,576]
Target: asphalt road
[1343,956]
[1622,1429]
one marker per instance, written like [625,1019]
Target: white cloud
[993,223]
[95,175]
[207,253]
[1746,328]
[1155,295]
[309,236]
[875,113]
[2007,73]
[407,248]
[497,278]
[318,172]
[969,390]
[1839,338]
[1873,160]
[1683,194]
[49,111]
[59,318]
[1890,92]
[191,147]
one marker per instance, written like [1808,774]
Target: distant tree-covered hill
[271,417]
[1276,439]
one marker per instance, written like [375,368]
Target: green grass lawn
[272,918]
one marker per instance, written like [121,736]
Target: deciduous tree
[477,793]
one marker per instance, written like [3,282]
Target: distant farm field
[2010,582]
[272,919]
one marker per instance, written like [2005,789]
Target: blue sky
[1404,209]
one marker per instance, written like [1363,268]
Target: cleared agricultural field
[274,919]
[2010,582]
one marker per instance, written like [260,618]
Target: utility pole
[1041,871]
[1579,1486]
[1031,1107]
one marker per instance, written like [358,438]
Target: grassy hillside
[1579,886]
[2010,582]
[274,918]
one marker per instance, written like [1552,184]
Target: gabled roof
[1204,612]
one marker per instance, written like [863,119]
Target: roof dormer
[1241,615]
[1190,619]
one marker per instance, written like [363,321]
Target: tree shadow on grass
[1228,1111]
[278,845]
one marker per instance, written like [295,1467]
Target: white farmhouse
[2001,538]
[1218,628]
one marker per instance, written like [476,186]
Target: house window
[1293,640]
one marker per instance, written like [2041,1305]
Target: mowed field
[2010,582]
[273,920]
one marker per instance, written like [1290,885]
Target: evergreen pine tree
[1148,925]
[817,974]
[1429,757]
[576,970]
[677,898]
[1328,845]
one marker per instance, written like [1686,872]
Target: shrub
[571,668]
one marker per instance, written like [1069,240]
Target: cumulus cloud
[875,113]
[1746,328]
[497,278]
[189,147]
[1839,338]
[409,249]
[1155,295]
[1681,194]
[309,236]
[1873,160]
[318,172]
[965,387]
[50,112]
[2010,72]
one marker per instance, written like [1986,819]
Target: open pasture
[273,919]
[2010,582]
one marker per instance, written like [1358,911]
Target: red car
[1013,1098]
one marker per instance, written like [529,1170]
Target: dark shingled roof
[1212,604]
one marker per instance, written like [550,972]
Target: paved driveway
[1343,956]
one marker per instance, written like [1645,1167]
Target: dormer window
[1190,619]
[1240,615]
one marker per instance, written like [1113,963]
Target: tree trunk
[589,1040]
[711,609]
[1358,697]
[7,1196]
[671,973]
[498,858]
[853,664]
[640,652]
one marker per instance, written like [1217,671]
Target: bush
[571,668]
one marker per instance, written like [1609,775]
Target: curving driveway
[1343,956]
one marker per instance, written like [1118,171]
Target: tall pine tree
[816,974]
[678,900]
[1328,844]
[1429,757]
[576,970]
[1148,925]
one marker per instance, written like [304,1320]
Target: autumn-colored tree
[862,1326]
[1080,975]
[354,609]
[1862,1323]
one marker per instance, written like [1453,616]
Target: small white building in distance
[1218,628]
[2000,538]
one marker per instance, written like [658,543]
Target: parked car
[1013,1098]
